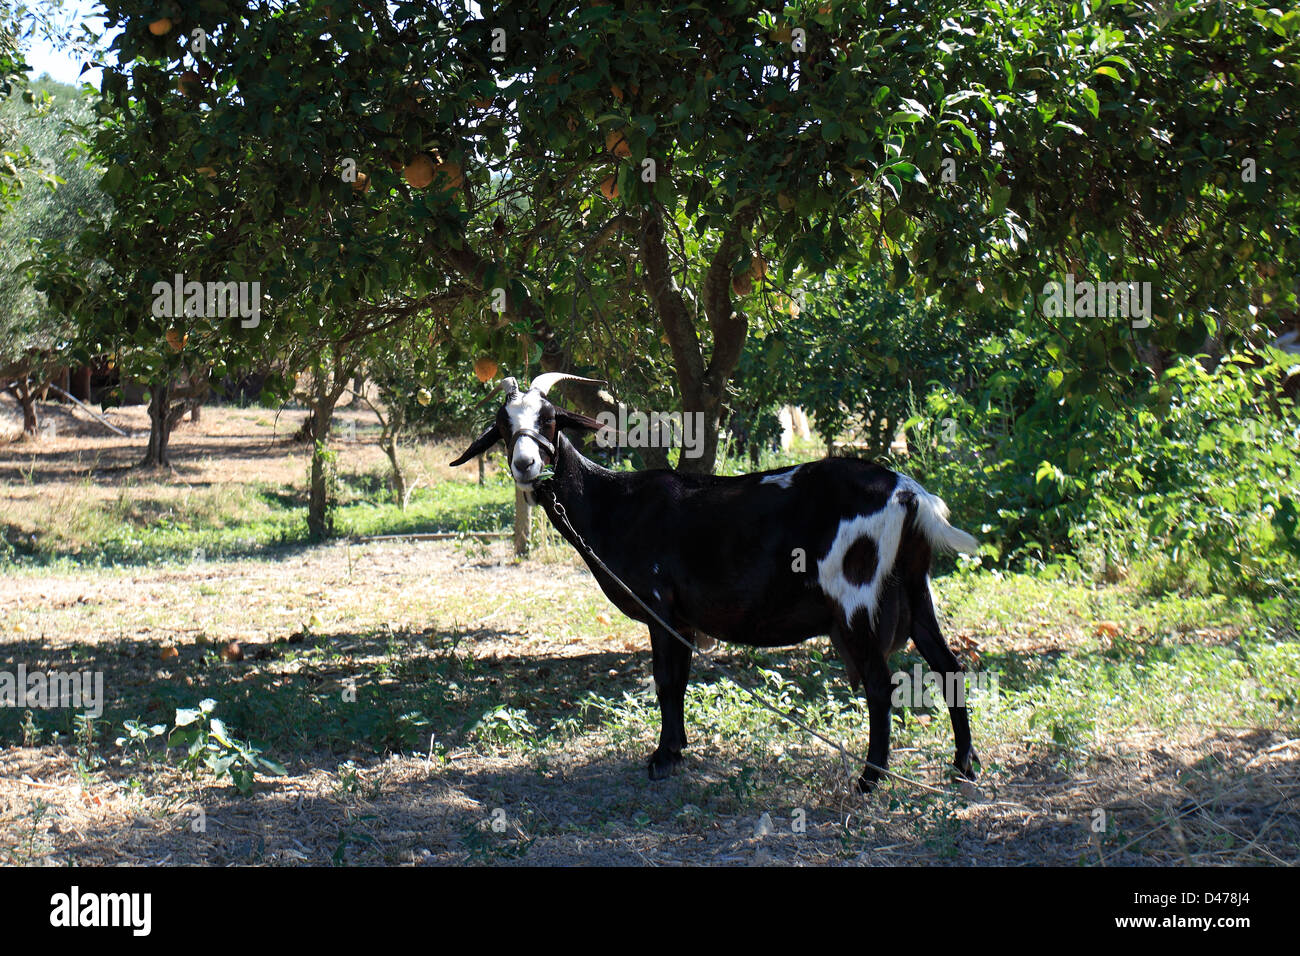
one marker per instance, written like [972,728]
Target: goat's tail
[932,519]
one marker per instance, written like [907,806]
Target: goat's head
[530,426]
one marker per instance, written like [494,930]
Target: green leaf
[186,716]
[217,728]
[112,179]
[1090,102]
[272,767]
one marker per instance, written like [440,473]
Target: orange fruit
[617,91]
[741,285]
[159,27]
[208,171]
[419,171]
[616,143]
[609,187]
[485,369]
[189,83]
[362,183]
[232,652]
[757,268]
[176,340]
[451,175]
[169,652]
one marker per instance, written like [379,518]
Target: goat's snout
[526,463]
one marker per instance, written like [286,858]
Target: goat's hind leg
[867,667]
[929,641]
[672,666]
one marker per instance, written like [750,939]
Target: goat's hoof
[967,764]
[664,763]
[867,782]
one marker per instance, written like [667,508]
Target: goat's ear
[481,444]
[567,419]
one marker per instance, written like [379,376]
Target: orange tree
[583,176]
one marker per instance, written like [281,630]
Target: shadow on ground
[377,731]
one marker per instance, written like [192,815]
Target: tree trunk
[702,386]
[28,402]
[156,454]
[325,391]
[191,395]
[401,491]
[655,457]
[320,518]
[79,385]
[523,522]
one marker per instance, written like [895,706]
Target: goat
[721,556]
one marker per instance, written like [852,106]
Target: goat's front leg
[672,665]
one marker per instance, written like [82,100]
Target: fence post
[523,515]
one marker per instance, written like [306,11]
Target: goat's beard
[529,496]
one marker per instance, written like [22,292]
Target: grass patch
[147,524]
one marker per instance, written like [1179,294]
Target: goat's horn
[544,383]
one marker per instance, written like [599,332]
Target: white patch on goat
[783,478]
[885,529]
[932,519]
[524,411]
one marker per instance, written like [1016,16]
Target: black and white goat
[837,546]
